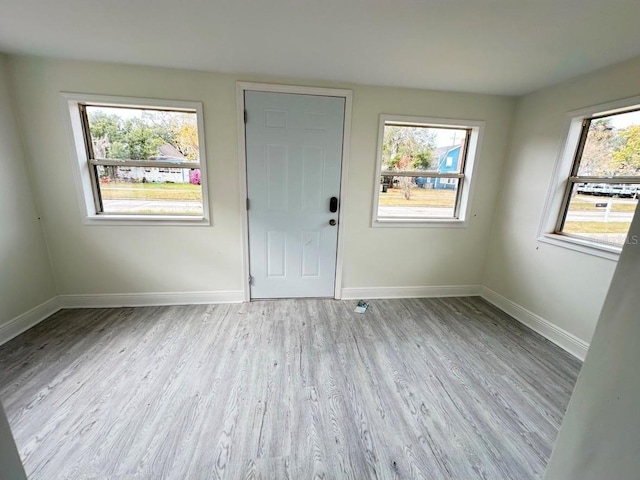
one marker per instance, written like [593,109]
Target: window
[602,185]
[138,160]
[424,170]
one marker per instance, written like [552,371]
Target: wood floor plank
[412,389]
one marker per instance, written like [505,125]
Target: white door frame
[242,87]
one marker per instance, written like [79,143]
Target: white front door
[294,156]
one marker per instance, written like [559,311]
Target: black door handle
[333,204]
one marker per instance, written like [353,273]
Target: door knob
[332,222]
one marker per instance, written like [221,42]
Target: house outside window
[425,168]
[598,179]
[137,160]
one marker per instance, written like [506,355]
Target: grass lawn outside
[420,197]
[604,233]
[151,191]
[428,197]
[599,228]
[596,227]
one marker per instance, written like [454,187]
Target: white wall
[422,256]
[107,259]
[25,271]
[600,433]
[565,287]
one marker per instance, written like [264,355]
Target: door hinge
[250,280]
[245,117]
[247,204]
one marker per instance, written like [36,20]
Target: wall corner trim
[565,340]
[357,293]
[28,319]
[150,299]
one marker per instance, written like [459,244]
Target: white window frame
[466,183]
[80,163]
[554,203]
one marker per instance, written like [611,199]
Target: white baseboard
[569,342]
[110,300]
[367,293]
[25,321]
[565,340]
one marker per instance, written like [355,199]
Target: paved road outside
[575,216]
[195,208]
[386,211]
[169,207]
[589,216]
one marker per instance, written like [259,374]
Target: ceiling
[506,47]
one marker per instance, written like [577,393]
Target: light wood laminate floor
[417,388]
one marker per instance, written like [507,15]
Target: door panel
[294,156]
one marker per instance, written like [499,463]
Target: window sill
[145,220]
[419,223]
[608,252]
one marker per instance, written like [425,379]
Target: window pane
[407,148]
[601,212]
[139,134]
[612,147]
[150,191]
[417,197]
